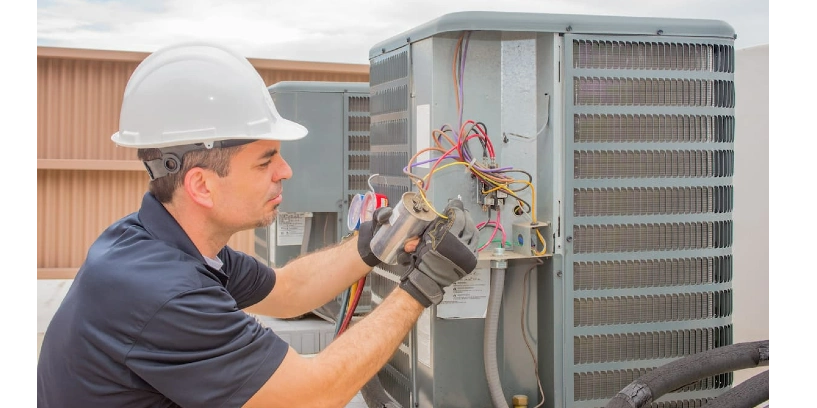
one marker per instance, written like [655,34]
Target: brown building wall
[84,181]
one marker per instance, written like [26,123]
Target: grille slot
[651,308]
[648,345]
[612,164]
[652,237]
[594,91]
[600,128]
[606,384]
[601,275]
[390,132]
[597,54]
[652,200]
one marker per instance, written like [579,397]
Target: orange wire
[454,71]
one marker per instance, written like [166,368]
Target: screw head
[569,239]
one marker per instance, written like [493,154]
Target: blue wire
[342,313]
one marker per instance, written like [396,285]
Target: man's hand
[366,232]
[447,251]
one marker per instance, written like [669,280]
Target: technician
[157,314]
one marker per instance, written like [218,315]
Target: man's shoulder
[128,259]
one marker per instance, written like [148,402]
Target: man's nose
[283,172]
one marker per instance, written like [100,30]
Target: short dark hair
[216,159]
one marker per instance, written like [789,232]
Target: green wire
[507,243]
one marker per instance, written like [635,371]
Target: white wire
[371,187]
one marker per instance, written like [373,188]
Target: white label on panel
[468,297]
[290,227]
[423,138]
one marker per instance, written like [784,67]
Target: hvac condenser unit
[618,134]
[329,165]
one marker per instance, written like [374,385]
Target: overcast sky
[330,31]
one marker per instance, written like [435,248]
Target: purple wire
[453,157]
[462,73]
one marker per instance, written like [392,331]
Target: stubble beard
[268,220]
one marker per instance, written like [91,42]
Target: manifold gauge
[355,211]
[371,202]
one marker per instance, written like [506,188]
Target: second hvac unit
[329,165]
[620,134]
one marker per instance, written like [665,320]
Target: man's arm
[446,252]
[332,378]
[309,281]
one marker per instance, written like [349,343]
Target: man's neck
[204,235]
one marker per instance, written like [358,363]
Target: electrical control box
[329,166]
[597,155]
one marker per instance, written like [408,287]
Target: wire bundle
[493,179]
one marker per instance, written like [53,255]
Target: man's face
[248,197]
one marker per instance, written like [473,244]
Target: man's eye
[266,163]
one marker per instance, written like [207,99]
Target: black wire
[481,140]
[489,219]
[530,178]
[521,201]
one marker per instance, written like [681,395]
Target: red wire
[353,306]
[436,163]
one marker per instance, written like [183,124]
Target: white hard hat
[198,93]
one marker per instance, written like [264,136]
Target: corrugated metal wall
[84,181]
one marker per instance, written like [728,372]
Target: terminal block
[494,200]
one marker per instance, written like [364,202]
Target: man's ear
[197,187]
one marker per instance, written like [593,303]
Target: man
[155,316]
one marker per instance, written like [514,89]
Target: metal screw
[569,239]
[559,274]
[569,28]
[660,32]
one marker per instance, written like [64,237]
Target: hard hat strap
[171,160]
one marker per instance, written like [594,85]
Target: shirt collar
[159,223]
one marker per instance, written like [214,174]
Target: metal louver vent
[606,384]
[600,128]
[653,163]
[652,200]
[651,308]
[389,69]
[653,92]
[358,144]
[632,280]
[652,56]
[389,163]
[602,275]
[604,348]
[359,104]
[389,153]
[390,132]
[652,237]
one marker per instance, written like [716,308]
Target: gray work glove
[367,230]
[447,252]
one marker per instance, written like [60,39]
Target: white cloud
[332,31]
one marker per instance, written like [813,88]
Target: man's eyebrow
[269,154]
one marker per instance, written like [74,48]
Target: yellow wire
[423,196]
[498,187]
[352,292]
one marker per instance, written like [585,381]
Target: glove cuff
[364,239]
[422,288]
[371,260]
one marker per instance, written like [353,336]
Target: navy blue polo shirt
[147,322]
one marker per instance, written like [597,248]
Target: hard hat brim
[283,130]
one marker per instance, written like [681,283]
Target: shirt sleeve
[201,350]
[250,281]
